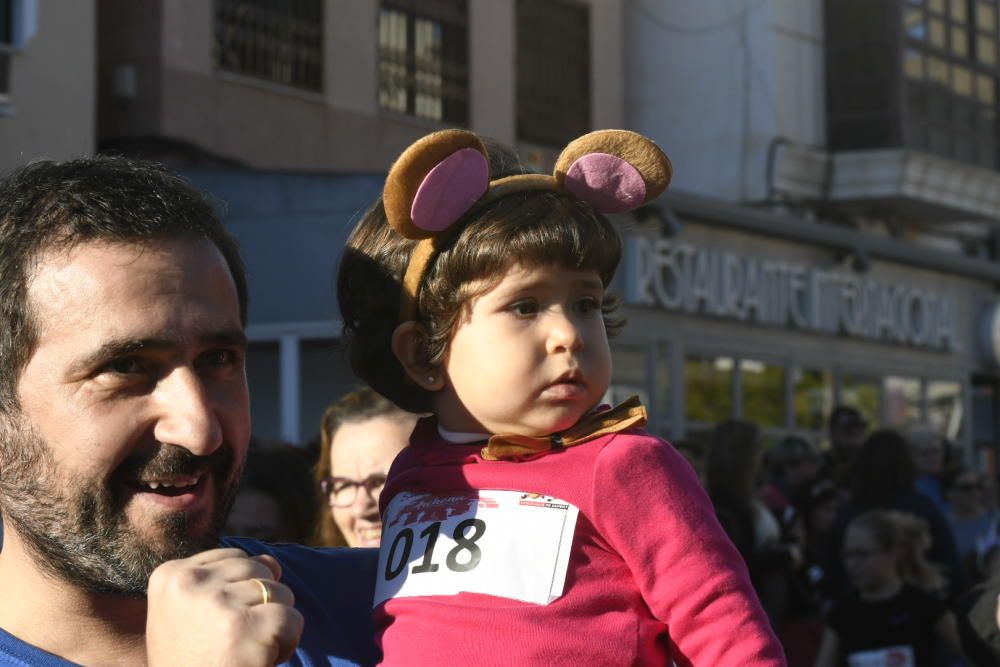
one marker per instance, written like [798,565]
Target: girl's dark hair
[531,229]
[882,469]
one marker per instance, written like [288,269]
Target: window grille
[950,78]
[423,59]
[553,71]
[280,41]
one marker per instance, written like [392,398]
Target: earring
[430,378]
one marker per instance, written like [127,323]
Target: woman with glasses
[360,435]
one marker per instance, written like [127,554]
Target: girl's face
[871,568]
[530,356]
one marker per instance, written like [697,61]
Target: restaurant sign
[685,278]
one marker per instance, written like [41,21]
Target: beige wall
[271,127]
[52,97]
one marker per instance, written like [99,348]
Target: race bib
[503,543]
[892,656]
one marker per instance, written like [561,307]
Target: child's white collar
[459,438]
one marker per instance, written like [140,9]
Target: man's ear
[407,340]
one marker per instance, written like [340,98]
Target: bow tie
[627,414]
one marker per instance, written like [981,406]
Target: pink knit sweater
[651,577]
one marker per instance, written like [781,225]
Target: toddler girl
[893,617]
[525,523]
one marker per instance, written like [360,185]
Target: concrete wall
[715,81]
[267,126]
[52,103]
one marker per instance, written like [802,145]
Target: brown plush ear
[638,151]
[408,178]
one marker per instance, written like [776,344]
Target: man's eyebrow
[116,349]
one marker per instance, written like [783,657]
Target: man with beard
[124,423]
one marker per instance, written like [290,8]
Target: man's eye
[126,366]
[220,358]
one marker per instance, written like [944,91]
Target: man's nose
[186,414]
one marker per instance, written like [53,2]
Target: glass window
[813,398]
[945,408]
[709,387]
[937,33]
[937,70]
[960,42]
[280,42]
[958,11]
[913,23]
[913,64]
[553,71]
[862,393]
[936,6]
[961,81]
[763,388]
[628,374]
[986,50]
[986,89]
[423,59]
[986,16]
[902,402]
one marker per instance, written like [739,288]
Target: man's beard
[78,529]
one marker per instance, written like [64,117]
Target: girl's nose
[564,335]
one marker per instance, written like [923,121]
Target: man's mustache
[175,461]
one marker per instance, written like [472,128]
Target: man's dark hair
[47,205]
[843,413]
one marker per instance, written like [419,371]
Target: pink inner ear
[450,189]
[606,182]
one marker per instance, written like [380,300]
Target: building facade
[829,237]
[47,108]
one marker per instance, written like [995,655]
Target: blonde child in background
[894,617]
[525,523]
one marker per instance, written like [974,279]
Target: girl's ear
[407,340]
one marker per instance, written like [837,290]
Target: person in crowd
[524,519]
[124,423]
[971,521]
[792,463]
[813,506]
[846,430]
[360,435]
[734,457]
[930,453]
[884,479]
[277,501]
[893,616]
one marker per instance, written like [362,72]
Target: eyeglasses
[343,492]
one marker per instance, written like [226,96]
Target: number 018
[403,543]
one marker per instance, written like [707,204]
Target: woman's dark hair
[882,469]
[734,455]
[530,228]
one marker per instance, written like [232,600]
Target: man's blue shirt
[333,590]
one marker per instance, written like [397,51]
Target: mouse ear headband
[442,177]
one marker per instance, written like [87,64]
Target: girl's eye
[524,308]
[588,304]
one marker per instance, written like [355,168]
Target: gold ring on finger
[265,591]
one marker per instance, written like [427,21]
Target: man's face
[134,414]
